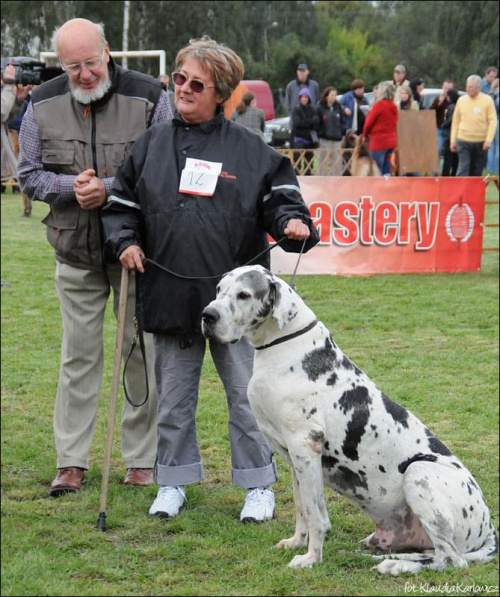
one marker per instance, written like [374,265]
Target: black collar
[206,127]
[289,337]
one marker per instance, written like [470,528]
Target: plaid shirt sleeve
[42,185]
[36,182]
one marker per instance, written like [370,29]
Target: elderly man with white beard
[77,130]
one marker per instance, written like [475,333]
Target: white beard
[87,97]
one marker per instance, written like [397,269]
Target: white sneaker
[168,502]
[259,505]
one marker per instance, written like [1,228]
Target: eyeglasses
[90,64]
[196,86]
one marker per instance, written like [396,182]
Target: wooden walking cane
[120,332]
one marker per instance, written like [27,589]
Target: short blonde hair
[225,66]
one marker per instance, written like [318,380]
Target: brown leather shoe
[68,480]
[139,477]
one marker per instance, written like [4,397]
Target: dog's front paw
[306,561]
[295,542]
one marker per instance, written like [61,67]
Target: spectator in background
[331,130]
[351,102]
[417,86]
[13,97]
[14,128]
[165,84]
[473,128]
[93,112]
[381,127]
[305,126]
[450,158]
[492,164]
[248,115]
[293,88]
[440,105]
[489,76]
[375,95]
[398,79]
[406,101]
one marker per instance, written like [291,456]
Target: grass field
[429,341]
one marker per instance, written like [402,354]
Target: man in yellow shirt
[473,128]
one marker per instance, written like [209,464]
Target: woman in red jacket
[381,127]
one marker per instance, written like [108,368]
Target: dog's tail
[488,549]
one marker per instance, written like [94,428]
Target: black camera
[29,71]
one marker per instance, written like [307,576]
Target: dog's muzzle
[209,319]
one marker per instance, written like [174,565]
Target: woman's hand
[296,230]
[133,258]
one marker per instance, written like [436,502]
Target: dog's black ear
[283,305]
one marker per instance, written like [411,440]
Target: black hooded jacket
[198,236]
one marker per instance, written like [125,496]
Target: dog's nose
[210,316]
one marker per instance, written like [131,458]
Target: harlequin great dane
[333,425]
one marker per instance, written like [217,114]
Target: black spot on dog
[348,480]
[326,445]
[317,436]
[468,533]
[397,412]
[464,513]
[417,458]
[332,380]
[436,445]
[456,465]
[357,398]
[264,311]
[471,486]
[328,462]
[381,468]
[355,430]
[319,361]
[291,369]
[311,413]
[347,364]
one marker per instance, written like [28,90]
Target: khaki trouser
[83,296]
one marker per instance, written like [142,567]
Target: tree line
[339,40]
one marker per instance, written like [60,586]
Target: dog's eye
[244,296]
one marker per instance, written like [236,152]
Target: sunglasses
[196,86]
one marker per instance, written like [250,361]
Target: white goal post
[161,54]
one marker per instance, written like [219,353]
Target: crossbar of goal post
[160,54]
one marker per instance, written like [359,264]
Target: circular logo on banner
[460,223]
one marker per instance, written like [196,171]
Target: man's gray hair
[386,90]
[53,43]
[474,80]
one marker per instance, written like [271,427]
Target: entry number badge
[200,177]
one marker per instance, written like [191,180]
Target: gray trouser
[83,296]
[178,372]
[471,158]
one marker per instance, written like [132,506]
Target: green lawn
[429,341]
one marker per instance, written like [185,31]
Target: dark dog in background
[362,164]
[359,160]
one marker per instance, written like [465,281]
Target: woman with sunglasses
[198,197]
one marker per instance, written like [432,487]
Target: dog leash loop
[177,275]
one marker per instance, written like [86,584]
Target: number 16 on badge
[200,177]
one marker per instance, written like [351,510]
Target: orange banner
[386,225]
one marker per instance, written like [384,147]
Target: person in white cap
[399,79]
